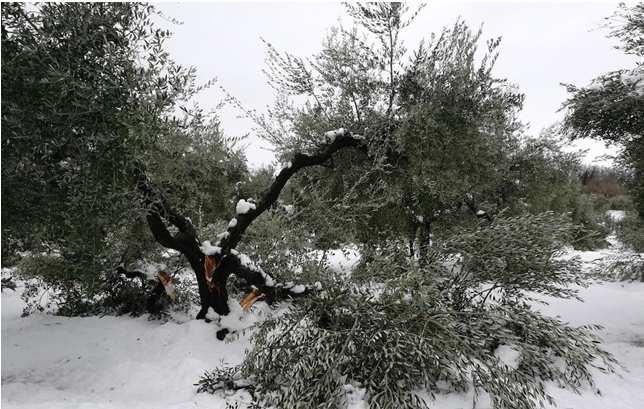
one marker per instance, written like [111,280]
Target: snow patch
[82,366]
[298,289]
[150,269]
[208,249]
[122,362]
[268,279]
[289,209]
[508,355]
[595,85]
[343,261]
[170,253]
[616,215]
[331,135]
[244,207]
[356,397]
[634,77]
[248,263]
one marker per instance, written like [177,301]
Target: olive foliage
[90,100]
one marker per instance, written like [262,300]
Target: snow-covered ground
[121,362]
[111,362]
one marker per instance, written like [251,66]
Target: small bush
[620,202]
[49,285]
[629,264]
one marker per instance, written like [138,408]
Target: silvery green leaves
[462,320]
[511,257]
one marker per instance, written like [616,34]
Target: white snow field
[52,362]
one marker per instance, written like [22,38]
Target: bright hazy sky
[544,44]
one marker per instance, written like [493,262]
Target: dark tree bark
[476,211]
[184,241]
[8,283]
[187,243]
[299,161]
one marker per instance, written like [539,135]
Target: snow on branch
[247,212]
[244,207]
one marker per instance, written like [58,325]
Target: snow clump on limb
[244,207]
[208,249]
[331,135]
[298,289]
[248,263]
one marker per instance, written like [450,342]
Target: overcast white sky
[544,44]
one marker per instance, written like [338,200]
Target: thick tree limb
[160,232]
[158,204]
[343,139]
[185,241]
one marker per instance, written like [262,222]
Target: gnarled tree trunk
[186,242]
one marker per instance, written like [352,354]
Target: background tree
[610,109]
[439,125]
[458,128]
[90,100]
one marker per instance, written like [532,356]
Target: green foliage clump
[78,111]
[458,121]
[282,247]
[438,126]
[541,177]
[630,231]
[624,267]
[628,264]
[518,254]
[590,232]
[50,286]
[439,326]
[90,99]
[610,108]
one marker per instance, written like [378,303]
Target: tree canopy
[611,107]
